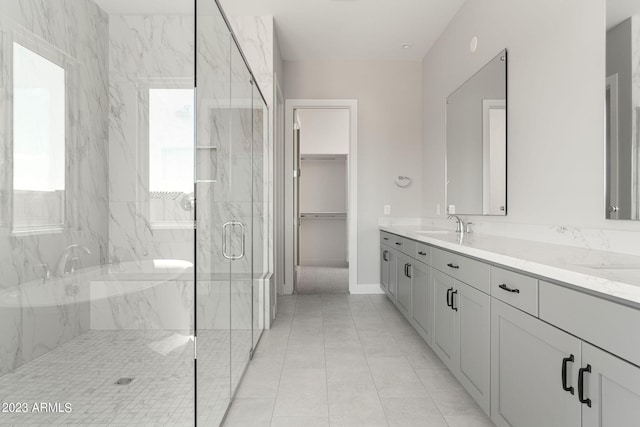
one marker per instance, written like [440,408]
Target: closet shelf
[326,157]
[323,215]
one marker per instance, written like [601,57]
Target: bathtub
[77,288]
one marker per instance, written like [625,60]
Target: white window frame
[51,53]
[143,195]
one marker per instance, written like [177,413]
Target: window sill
[172,225]
[37,230]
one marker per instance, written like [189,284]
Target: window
[39,136]
[171,156]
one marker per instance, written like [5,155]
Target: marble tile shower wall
[78,31]
[144,51]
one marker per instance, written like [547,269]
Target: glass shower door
[237,213]
[213,270]
[231,231]
[260,206]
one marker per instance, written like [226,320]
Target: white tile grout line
[367,359]
[324,350]
[423,385]
[284,358]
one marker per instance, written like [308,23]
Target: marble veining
[76,30]
[610,274]
[143,50]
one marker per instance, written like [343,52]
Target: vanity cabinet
[530,352]
[421,299]
[571,382]
[444,318]
[461,333]
[405,268]
[385,267]
[529,359]
[388,266]
[613,389]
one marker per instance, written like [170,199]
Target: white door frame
[352,206]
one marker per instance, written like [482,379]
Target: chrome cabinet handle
[224,240]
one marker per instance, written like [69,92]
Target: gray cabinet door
[613,386]
[393,273]
[443,318]
[404,283]
[384,268]
[421,299]
[473,333]
[526,371]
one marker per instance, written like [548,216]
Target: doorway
[321,205]
[321,144]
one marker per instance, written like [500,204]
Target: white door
[613,390]
[444,318]
[473,332]
[527,382]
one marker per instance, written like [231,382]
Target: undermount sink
[433,232]
[611,266]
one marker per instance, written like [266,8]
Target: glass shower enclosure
[134,200]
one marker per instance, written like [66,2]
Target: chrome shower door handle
[225,227]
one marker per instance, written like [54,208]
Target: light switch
[387,209]
[452,209]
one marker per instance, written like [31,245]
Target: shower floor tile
[83,373]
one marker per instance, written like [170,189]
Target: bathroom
[156,215]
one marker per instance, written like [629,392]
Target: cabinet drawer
[423,253]
[604,323]
[515,289]
[387,238]
[406,246]
[467,270]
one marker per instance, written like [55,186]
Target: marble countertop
[611,275]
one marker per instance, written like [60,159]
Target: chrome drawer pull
[508,289]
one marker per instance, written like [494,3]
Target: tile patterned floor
[348,360]
[319,280]
[83,373]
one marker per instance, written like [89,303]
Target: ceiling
[352,29]
[329,29]
[619,10]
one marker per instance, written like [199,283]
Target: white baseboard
[366,289]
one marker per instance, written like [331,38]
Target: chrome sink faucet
[459,224]
[69,261]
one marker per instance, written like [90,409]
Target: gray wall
[556,108]
[389,141]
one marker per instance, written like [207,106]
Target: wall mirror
[477,142]
[622,100]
